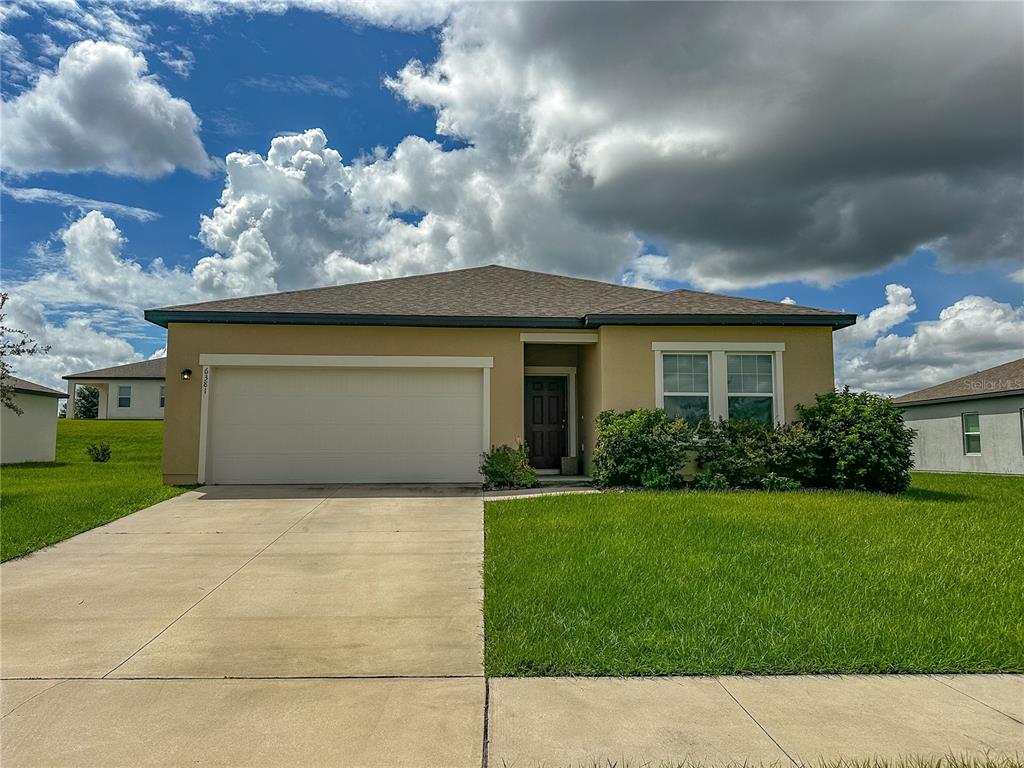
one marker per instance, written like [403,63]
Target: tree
[14,342]
[87,403]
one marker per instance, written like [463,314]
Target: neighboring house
[971,424]
[32,434]
[410,379]
[132,391]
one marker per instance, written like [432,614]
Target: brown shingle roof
[491,295]
[1003,380]
[27,387]
[147,369]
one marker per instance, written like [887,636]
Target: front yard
[726,583]
[41,504]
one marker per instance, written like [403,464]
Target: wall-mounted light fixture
[186,374]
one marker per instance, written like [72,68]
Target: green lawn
[41,504]
[723,583]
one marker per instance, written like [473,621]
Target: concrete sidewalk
[751,720]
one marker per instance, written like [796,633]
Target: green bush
[640,448]
[734,451]
[99,452]
[505,466]
[863,442]
[773,482]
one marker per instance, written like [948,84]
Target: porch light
[186,374]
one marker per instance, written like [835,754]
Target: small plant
[778,483]
[506,466]
[710,481]
[99,452]
[640,448]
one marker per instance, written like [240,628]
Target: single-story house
[32,434]
[410,379]
[132,391]
[971,424]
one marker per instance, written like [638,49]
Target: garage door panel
[279,425]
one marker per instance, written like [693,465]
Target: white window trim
[570,375]
[964,433]
[210,362]
[718,372]
[118,395]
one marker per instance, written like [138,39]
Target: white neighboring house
[32,434]
[132,391]
[971,424]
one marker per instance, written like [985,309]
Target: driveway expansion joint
[221,583]
[938,679]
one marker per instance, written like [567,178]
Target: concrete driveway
[252,626]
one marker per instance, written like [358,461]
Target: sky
[860,157]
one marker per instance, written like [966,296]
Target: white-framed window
[750,386]
[685,383]
[163,390]
[124,396]
[971,424]
[731,380]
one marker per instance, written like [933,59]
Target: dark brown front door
[546,418]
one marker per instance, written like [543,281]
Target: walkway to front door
[546,414]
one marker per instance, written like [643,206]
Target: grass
[735,583]
[41,504]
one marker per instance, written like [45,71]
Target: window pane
[124,391]
[971,423]
[754,408]
[685,373]
[749,373]
[972,443]
[692,409]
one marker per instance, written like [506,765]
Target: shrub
[862,440]
[642,447]
[736,451]
[709,481]
[793,453]
[505,466]
[773,482]
[99,452]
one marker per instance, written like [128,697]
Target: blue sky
[533,155]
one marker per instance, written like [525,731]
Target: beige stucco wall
[627,360]
[31,435]
[617,372]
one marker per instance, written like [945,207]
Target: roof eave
[163,317]
[834,321]
[20,391]
[90,377]
[958,398]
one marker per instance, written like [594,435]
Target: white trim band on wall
[559,338]
[346,361]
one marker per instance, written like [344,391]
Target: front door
[546,420]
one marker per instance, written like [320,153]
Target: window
[685,383]
[124,396]
[162,389]
[972,433]
[750,387]
[1022,430]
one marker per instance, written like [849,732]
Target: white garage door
[344,425]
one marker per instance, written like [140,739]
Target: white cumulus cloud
[101,111]
[972,334]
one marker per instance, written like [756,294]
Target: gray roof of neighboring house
[1001,381]
[494,296]
[26,387]
[147,369]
